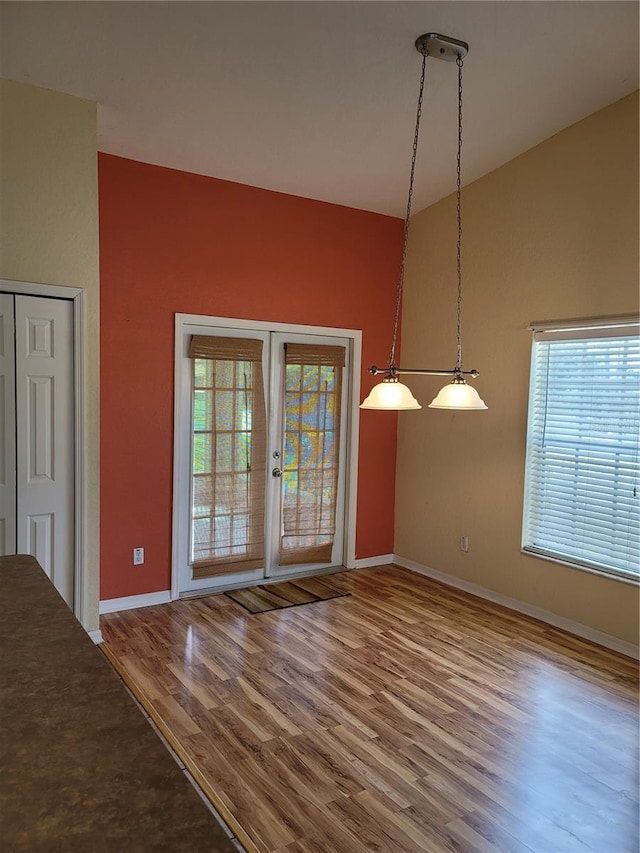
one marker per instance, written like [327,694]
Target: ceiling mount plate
[441,47]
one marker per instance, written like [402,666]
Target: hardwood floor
[406,717]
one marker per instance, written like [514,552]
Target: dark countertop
[80,767]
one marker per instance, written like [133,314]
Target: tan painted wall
[551,235]
[49,235]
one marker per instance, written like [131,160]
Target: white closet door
[45,458]
[7,428]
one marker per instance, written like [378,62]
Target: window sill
[592,570]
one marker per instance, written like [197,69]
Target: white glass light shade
[457,395]
[392,396]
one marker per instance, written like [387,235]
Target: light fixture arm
[395,371]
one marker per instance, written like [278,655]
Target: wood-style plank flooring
[406,717]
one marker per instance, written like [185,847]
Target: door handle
[277,472]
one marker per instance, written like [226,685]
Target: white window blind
[582,495]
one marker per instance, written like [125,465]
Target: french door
[267,439]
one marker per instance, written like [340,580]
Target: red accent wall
[173,242]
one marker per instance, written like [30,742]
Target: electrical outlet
[464,543]
[138,556]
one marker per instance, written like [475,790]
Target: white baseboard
[130,602]
[96,636]
[369,562]
[577,628]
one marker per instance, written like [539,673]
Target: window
[582,495]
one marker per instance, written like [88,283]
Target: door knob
[277,472]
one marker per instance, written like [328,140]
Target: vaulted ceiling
[318,98]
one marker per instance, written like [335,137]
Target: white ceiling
[318,98]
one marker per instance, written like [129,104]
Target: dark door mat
[275,596]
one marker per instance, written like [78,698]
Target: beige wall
[49,235]
[551,235]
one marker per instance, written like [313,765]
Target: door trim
[181,425]
[77,296]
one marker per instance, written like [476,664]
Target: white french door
[37,434]
[262,425]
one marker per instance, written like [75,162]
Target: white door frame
[181,405]
[76,295]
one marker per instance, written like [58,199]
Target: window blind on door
[313,393]
[582,496]
[228,456]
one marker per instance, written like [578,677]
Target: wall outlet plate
[464,543]
[138,556]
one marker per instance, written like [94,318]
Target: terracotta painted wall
[176,242]
[551,235]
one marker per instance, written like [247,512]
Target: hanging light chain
[459,63]
[405,240]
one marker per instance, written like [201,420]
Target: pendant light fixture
[390,394]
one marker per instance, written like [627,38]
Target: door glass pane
[311,454]
[228,463]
